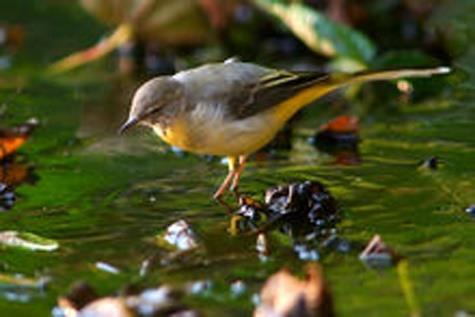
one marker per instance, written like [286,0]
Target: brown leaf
[283,295]
[341,124]
[378,255]
[11,139]
[13,174]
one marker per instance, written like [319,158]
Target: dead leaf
[13,173]
[283,295]
[11,139]
[342,124]
[378,255]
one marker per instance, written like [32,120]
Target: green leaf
[318,32]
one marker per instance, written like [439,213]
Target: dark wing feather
[272,88]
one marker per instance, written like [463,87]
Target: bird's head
[155,100]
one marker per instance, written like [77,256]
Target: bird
[234,108]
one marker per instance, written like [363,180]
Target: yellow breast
[176,134]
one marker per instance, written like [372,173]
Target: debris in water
[430,164]
[26,240]
[82,301]
[198,287]
[14,173]
[305,252]
[107,307]
[106,267]
[180,235]
[12,138]
[20,281]
[284,295]
[238,287]
[470,210]
[7,197]
[262,245]
[308,201]
[305,211]
[378,255]
[155,301]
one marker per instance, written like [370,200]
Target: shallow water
[103,197]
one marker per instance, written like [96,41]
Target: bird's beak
[132,121]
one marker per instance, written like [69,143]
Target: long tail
[388,75]
[318,86]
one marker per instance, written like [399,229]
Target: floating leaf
[20,281]
[378,255]
[26,240]
[13,173]
[12,139]
[320,33]
[341,124]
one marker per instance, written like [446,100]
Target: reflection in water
[339,138]
[103,114]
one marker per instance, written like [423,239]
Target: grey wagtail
[234,108]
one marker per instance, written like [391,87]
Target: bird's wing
[271,89]
[245,88]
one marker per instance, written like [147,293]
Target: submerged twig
[122,34]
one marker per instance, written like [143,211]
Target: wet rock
[7,197]
[283,295]
[180,235]
[308,201]
[378,255]
[250,208]
[306,212]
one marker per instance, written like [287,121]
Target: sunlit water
[104,198]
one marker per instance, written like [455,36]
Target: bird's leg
[237,175]
[232,167]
